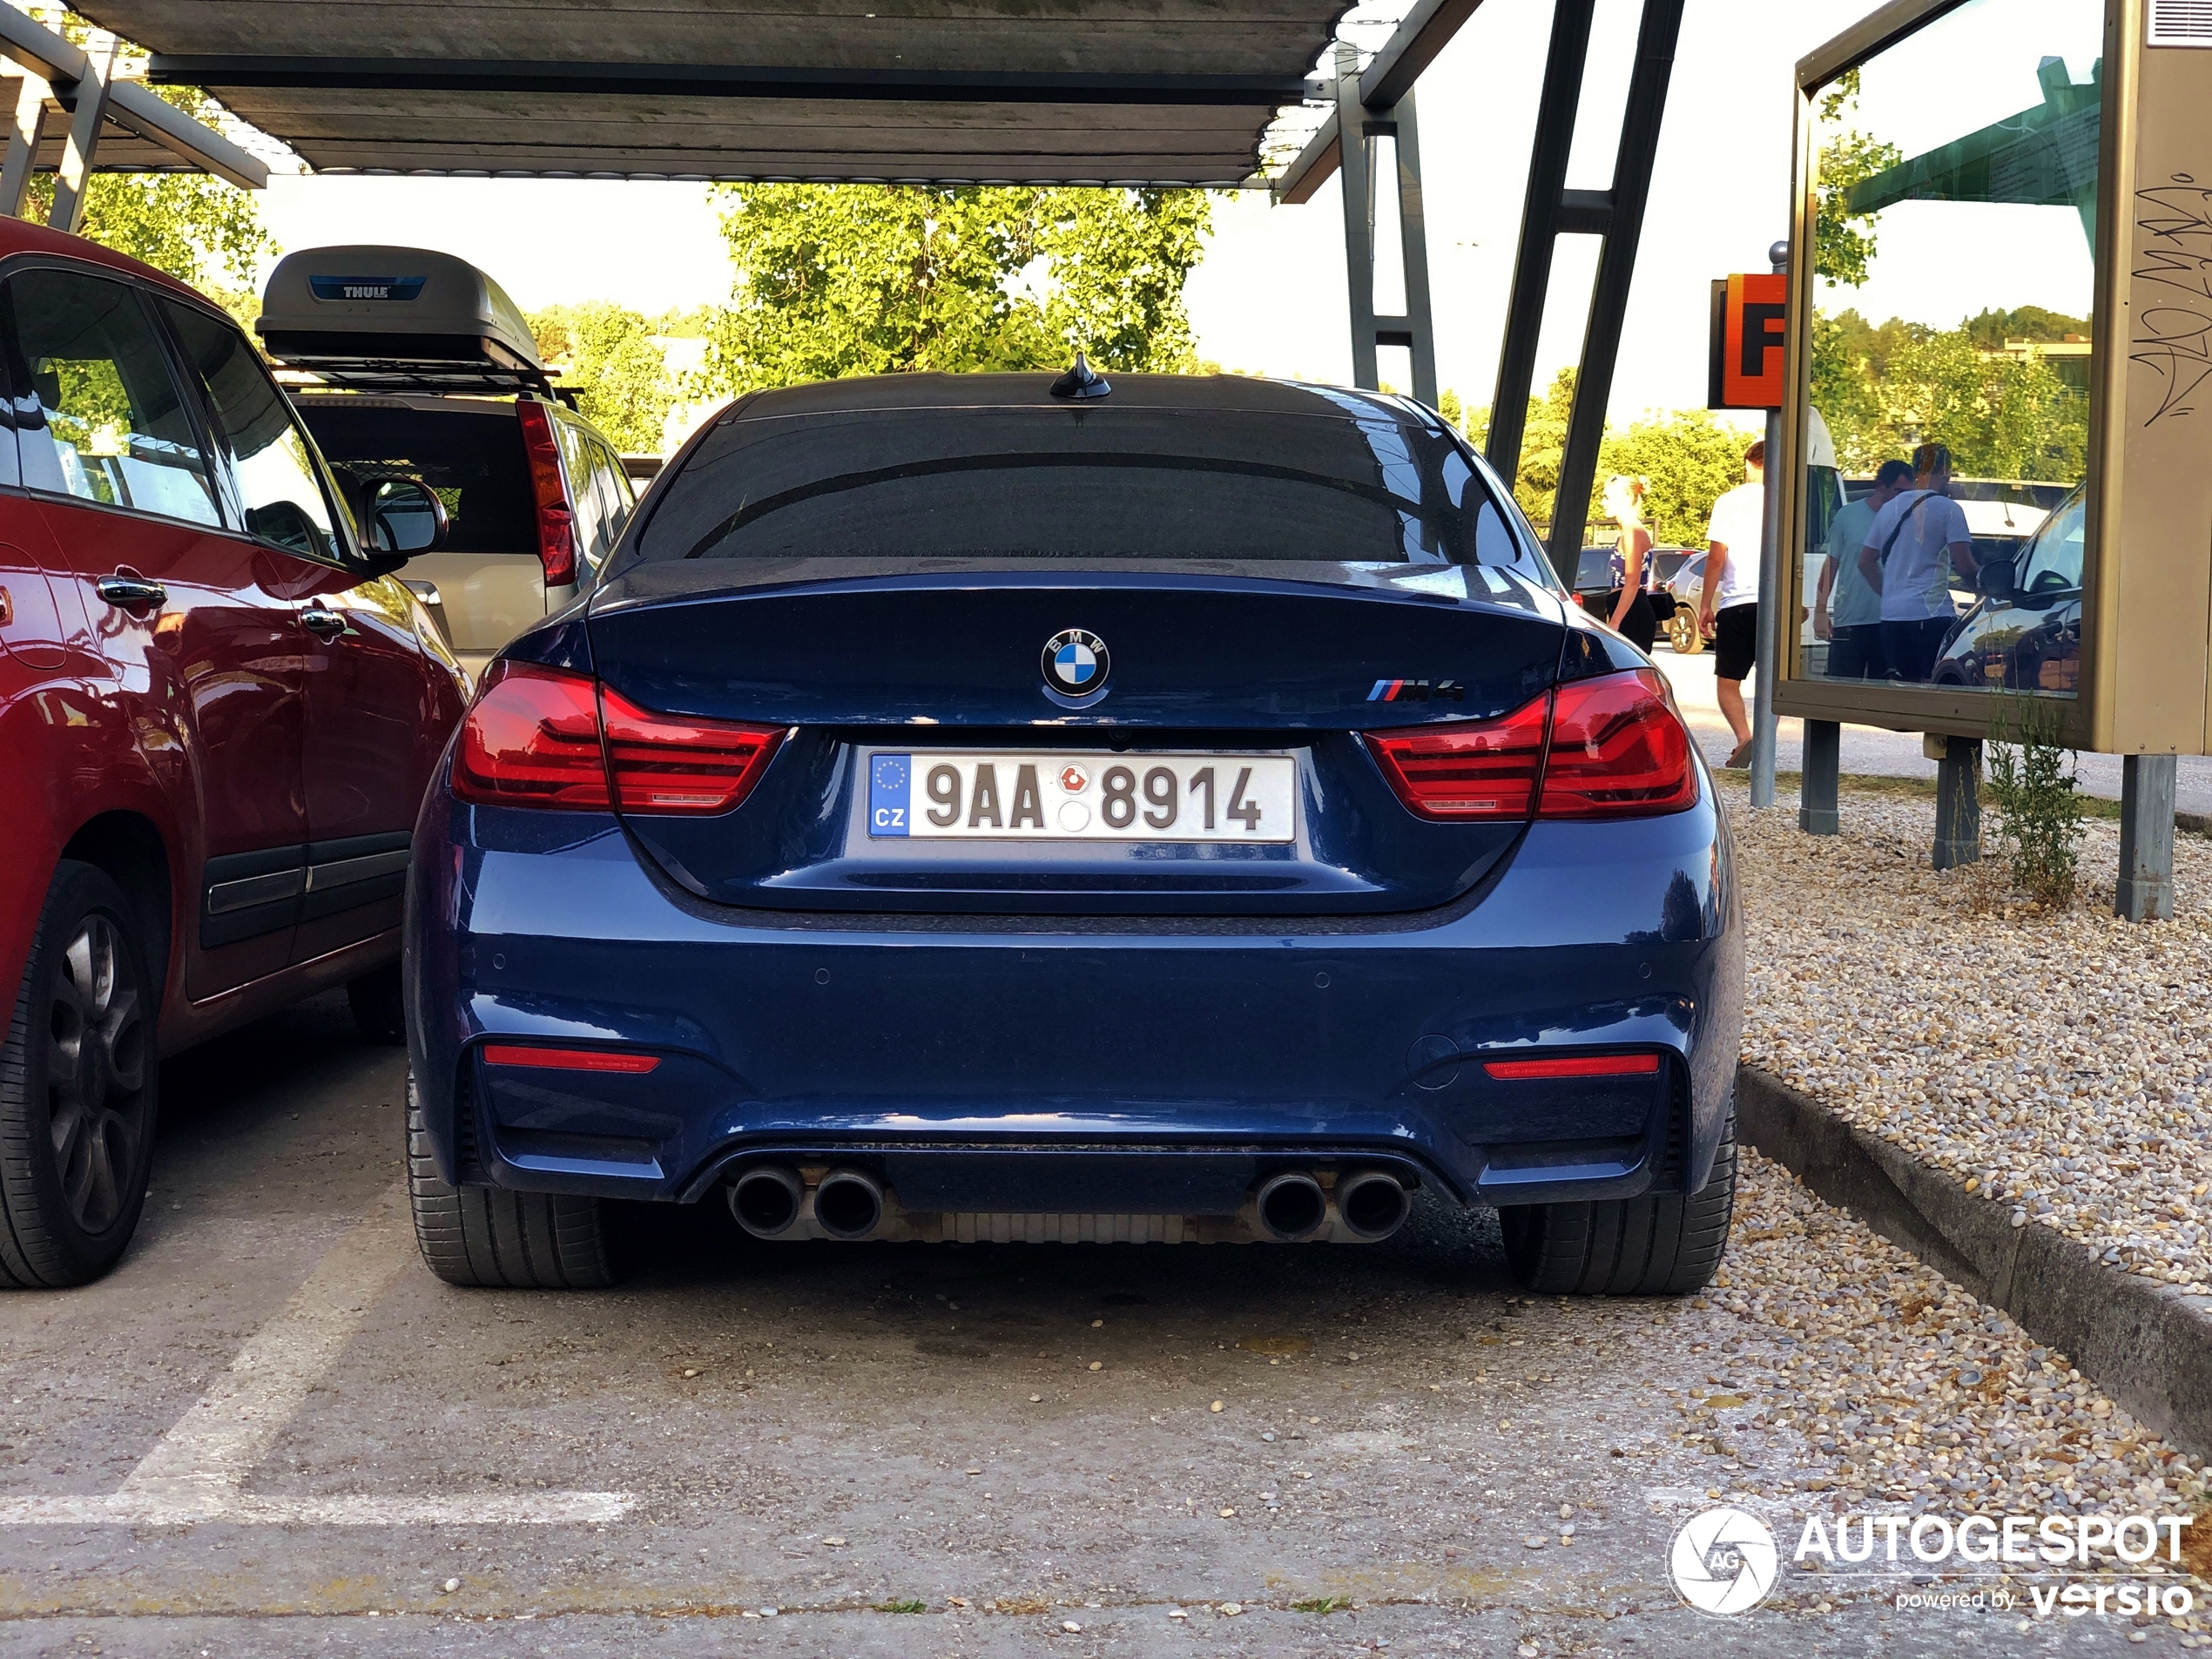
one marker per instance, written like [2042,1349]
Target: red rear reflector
[1596,1065]
[1459,769]
[501,1054]
[1612,747]
[665,763]
[1618,750]
[556,519]
[531,739]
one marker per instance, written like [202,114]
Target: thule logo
[338,287]
[1417,691]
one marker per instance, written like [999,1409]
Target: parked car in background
[1686,584]
[217,712]
[430,372]
[2024,634]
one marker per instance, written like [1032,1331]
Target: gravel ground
[1869,1377]
[2061,1059]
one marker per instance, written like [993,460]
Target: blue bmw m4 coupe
[993,807]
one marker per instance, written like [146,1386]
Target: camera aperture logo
[1724,1560]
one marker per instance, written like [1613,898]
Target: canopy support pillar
[1415,330]
[22,144]
[1551,211]
[84,136]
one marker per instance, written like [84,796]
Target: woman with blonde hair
[1627,607]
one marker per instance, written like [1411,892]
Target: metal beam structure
[31,94]
[930,91]
[75,170]
[1420,35]
[1415,328]
[821,84]
[156,136]
[1552,211]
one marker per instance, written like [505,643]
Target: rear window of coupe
[1078,484]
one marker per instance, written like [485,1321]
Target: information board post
[2145,889]
[1751,340]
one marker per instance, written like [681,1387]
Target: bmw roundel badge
[1075,663]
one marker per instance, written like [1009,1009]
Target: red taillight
[532,739]
[1467,769]
[664,763]
[501,1053]
[1618,750]
[545,736]
[1596,1065]
[556,520]
[1611,748]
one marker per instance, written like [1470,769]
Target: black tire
[380,1005]
[1664,1243]
[1682,634]
[79,1081]
[501,1239]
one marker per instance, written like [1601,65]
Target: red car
[217,713]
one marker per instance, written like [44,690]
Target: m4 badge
[1417,691]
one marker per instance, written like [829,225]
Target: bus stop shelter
[1178,93]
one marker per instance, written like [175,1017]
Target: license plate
[1087,796]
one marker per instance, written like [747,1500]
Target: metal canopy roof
[1123,91]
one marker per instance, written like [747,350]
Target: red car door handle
[325,625]
[128,591]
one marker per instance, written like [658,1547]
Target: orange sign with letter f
[1749,338]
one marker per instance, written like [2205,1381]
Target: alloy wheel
[96,1072]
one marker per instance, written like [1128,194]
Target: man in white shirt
[1847,612]
[1729,608]
[1918,544]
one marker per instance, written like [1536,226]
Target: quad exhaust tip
[1371,1204]
[848,1204]
[1293,1207]
[767,1200]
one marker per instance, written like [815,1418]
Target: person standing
[1918,546]
[1629,608]
[1847,612]
[1728,608]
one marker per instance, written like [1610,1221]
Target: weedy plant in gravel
[2038,806]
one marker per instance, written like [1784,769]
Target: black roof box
[397,319]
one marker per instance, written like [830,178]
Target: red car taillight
[663,763]
[545,736]
[1618,750]
[531,739]
[555,520]
[1611,748]
[1467,768]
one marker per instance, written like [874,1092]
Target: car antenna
[1081,380]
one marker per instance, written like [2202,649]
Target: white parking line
[198,1469]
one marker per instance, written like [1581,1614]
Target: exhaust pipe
[1291,1207]
[765,1200]
[1371,1204]
[848,1204]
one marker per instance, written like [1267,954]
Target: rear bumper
[1129,1064]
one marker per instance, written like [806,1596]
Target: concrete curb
[2148,1345]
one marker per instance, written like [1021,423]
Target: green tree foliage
[1689,457]
[1885,390]
[868,279]
[621,380]
[197,228]
[1843,240]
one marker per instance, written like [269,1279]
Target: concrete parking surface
[271,1432]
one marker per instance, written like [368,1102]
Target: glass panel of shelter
[1958,178]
